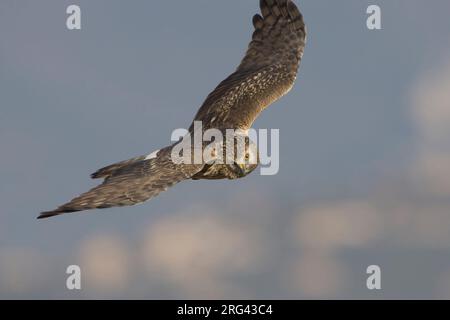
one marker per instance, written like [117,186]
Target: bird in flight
[267,72]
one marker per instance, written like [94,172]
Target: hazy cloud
[106,263]
[431,113]
[198,251]
[336,225]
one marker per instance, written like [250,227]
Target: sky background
[364,140]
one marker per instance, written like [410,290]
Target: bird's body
[266,73]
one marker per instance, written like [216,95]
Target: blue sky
[363,142]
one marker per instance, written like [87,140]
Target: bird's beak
[241,169]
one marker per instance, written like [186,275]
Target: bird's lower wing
[130,185]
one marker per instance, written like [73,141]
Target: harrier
[267,72]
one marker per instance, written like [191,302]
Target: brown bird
[267,72]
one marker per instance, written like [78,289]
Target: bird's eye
[247,156]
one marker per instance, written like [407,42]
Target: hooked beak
[241,169]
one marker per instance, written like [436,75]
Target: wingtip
[101,173]
[95,175]
[47,214]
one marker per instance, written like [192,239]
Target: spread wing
[267,71]
[131,184]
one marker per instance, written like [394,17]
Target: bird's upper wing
[131,184]
[267,71]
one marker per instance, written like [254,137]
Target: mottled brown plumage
[267,72]
[131,184]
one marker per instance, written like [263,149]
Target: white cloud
[431,113]
[431,172]
[316,275]
[198,251]
[420,226]
[105,263]
[22,270]
[431,105]
[336,225]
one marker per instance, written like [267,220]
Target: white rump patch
[152,155]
